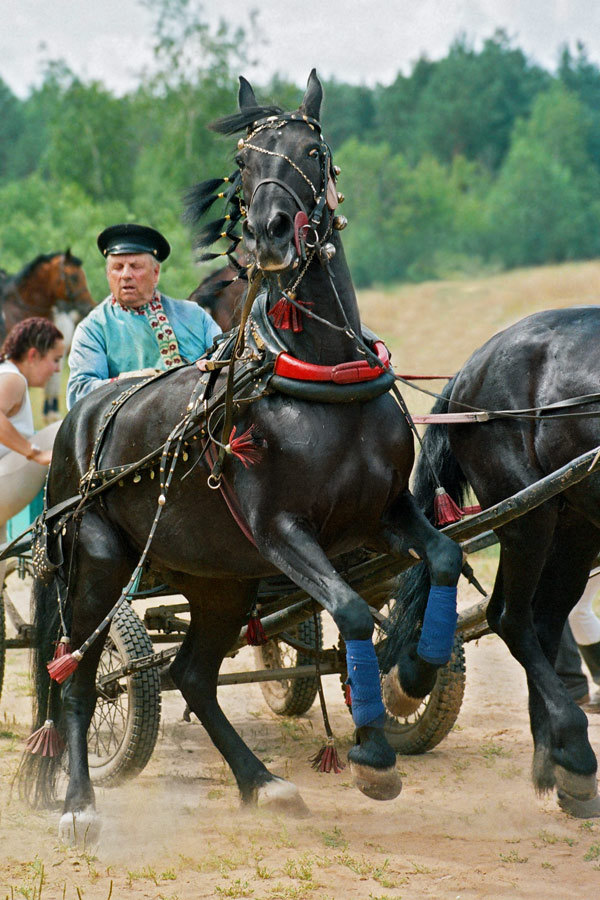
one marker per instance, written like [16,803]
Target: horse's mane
[244,119]
[29,267]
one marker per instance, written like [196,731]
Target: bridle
[305,222]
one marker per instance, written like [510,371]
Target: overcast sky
[355,40]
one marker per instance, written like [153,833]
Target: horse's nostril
[280,227]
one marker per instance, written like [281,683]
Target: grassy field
[432,328]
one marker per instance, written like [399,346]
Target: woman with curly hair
[31,353]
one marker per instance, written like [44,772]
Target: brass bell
[240,144]
[339,222]
[162,500]
[328,251]
[341,198]
[336,171]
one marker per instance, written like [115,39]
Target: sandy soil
[466,825]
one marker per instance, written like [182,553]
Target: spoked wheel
[293,696]
[2,636]
[435,717]
[24,570]
[124,728]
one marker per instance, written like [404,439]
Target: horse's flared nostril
[280,227]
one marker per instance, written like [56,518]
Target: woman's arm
[12,391]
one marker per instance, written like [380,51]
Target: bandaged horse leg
[371,751]
[294,551]
[414,670]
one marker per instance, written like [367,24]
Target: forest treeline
[480,160]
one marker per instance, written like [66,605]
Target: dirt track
[467,824]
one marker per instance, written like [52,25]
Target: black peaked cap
[130,238]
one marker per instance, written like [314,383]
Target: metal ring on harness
[214,482]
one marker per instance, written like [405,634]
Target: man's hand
[41,457]
[138,373]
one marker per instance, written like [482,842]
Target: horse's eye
[240,162]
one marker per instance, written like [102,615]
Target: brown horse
[52,285]
[221,294]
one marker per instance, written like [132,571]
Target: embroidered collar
[138,310]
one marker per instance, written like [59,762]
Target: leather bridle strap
[285,187]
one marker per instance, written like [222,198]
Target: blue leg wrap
[439,625]
[365,687]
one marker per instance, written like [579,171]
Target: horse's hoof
[580,809]
[378,784]
[396,701]
[278,795]
[580,787]
[82,827]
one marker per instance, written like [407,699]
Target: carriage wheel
[2,638]
[124,728]
[294,696]
[10,567]
[435,717]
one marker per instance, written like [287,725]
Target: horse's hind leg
[414,664]
[99,571]
[541,579]
[214,628]
[563,755]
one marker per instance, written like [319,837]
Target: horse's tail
[435,466]
[37,774]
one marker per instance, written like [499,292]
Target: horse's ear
[246,98]
[68,253]
[311,102]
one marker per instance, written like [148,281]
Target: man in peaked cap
[136,330]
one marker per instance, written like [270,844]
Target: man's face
[132,278]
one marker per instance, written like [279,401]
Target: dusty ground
[467,824]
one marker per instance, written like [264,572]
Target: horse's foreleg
[99,571]
[51,411]
[289,545]
[214,628]
[412,674]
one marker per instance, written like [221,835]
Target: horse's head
[287,177]
[72,292]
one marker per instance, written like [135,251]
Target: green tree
[11,127]
[471,101]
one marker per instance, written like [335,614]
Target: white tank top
[23,418]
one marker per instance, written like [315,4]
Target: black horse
[331,477]
[546,555]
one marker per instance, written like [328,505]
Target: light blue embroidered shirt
[111,340]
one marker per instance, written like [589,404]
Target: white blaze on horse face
[66,322]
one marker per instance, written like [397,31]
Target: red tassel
[46,741]
[62,648]
[347,695]
[286,316]
[471,510]
[445,509]
[327,759]
[65,665]
[246,447]
[255,633]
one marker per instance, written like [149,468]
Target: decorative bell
[328,251]
[162,500]
[339,222]
[336,171]
[341,198]
[240,144]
